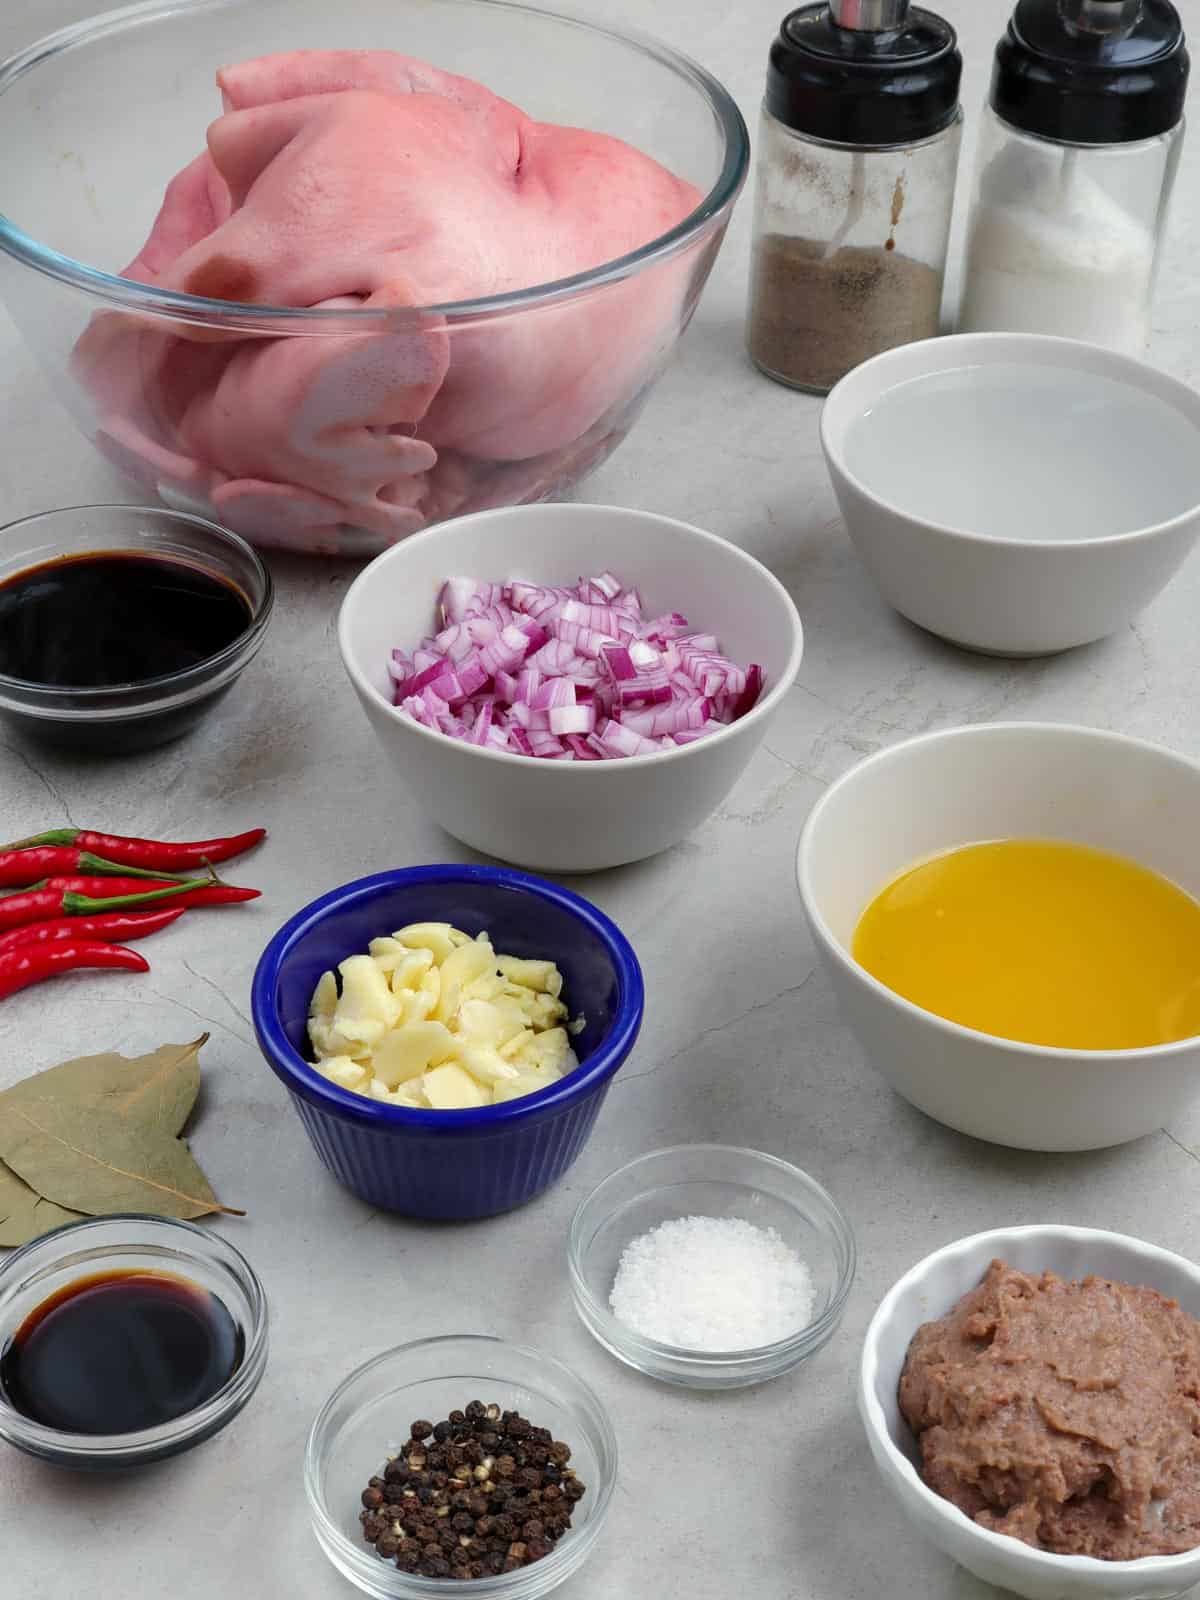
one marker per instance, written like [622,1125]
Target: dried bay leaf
[157,1090]
[97,1161]
[24,1214]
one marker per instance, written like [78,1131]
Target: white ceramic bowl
[928,1291]
[1009,595]
[566,816]
[998,781]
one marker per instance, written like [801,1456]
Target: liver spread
[1064,1414]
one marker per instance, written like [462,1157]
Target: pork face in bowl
[342,292]
[558,815]
[1097,1487]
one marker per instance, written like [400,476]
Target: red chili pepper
[116,926]
[46,901]
[191,891]
[104,887]
[152,854]
[30,964]
[53,861]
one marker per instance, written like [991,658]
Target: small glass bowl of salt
[709,1266]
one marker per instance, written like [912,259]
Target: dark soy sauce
[120,1351]
[117,617]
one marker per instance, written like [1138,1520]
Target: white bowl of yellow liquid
[1015,493]
[1008,985]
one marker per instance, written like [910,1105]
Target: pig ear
[287,516]
[294,73]
[275,513]
[196,202]
[243,144]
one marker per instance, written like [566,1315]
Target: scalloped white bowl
[928,1291]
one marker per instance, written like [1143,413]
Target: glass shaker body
[849,250]
[1066,238]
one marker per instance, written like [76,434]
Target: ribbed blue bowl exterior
[459,1179]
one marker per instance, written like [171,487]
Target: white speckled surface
[771,1492]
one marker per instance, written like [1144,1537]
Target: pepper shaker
[1078,154]
[858,155]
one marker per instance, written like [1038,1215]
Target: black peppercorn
[480,1493]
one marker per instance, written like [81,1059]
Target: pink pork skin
[347,179]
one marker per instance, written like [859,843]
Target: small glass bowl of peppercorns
[461,1465]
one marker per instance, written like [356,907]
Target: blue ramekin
[452,1164]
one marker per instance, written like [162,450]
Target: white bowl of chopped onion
[569,687]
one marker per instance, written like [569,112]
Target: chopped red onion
[568,674]
[616,660]
[457,597]
[572,719]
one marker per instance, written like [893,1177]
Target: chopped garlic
[433,936]
[407,1052]
[449,1088]
[543,975]
[433,1019]
[345,1073]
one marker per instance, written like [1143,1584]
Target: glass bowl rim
[654,1353]
[585,1394]
[146,298]
[301,1077]
[129,1448]
[198,676]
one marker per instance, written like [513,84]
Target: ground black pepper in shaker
[858,156]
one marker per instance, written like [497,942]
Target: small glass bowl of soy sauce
[125,1340]
[121,626]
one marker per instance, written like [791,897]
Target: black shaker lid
[861,85]
[1092,71]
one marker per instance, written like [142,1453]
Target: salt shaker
[1077,159]
[858,154]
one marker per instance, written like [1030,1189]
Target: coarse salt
[712,1283]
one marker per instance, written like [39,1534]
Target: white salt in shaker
[1077,159]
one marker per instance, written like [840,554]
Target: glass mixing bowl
[120,104]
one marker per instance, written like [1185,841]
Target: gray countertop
[771,1491]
